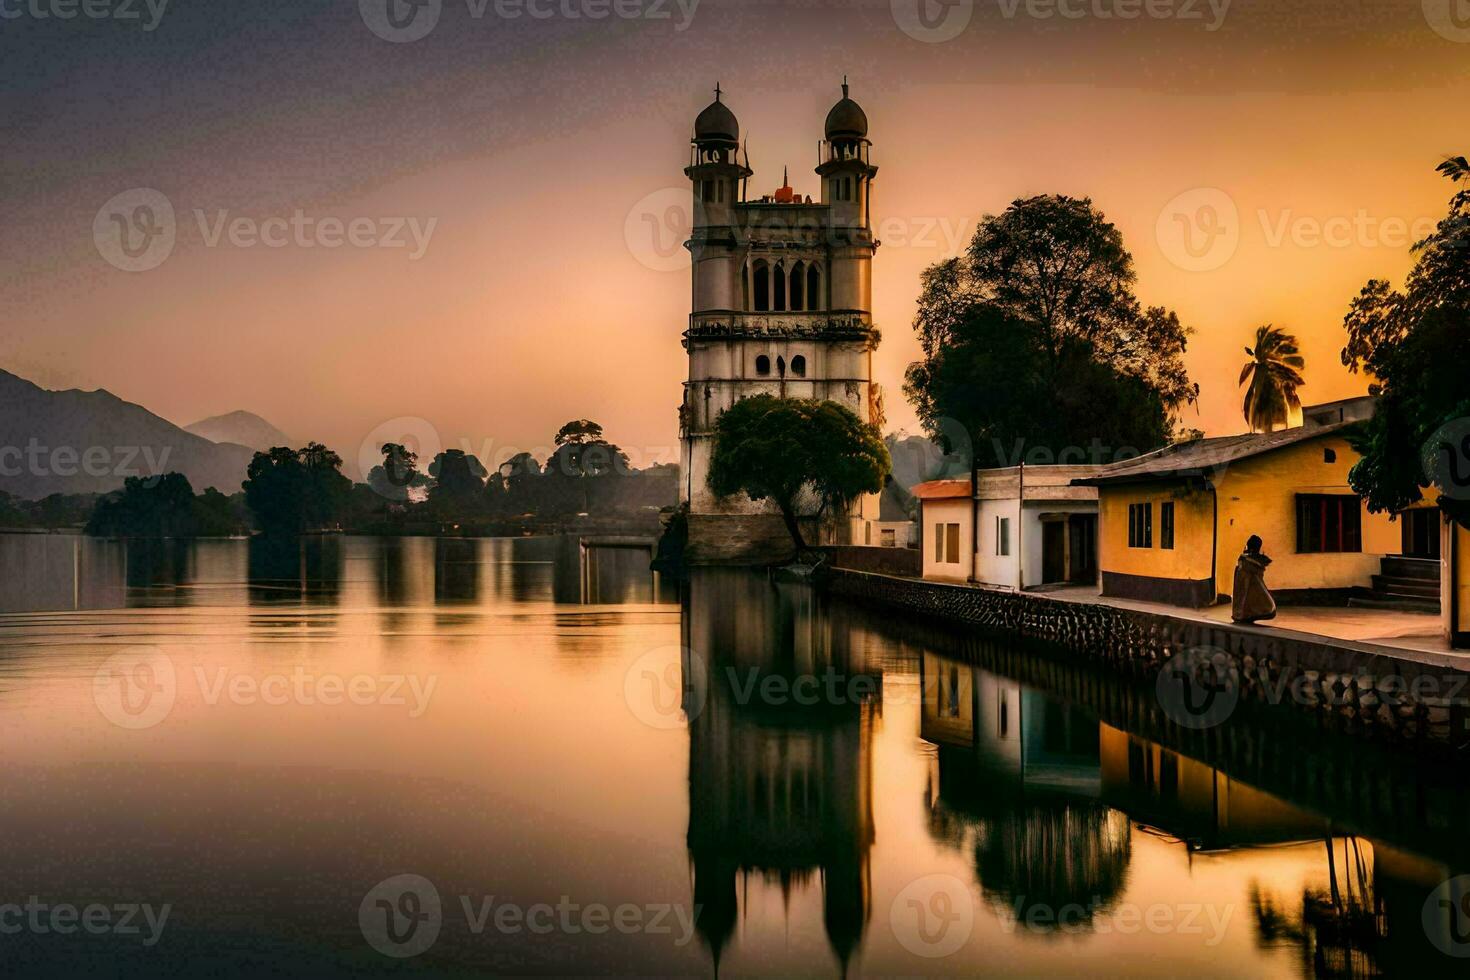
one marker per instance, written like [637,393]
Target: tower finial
[844,86]
[717,91]
[785,180]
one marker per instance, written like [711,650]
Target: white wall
[990,568]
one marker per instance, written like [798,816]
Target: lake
[346,756]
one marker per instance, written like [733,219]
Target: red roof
[941,489]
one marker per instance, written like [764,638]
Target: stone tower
[781,304]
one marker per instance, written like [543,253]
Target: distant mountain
[88,441]
[241,428]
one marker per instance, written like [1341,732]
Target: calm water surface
[588,770]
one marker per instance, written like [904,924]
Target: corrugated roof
[1204,456]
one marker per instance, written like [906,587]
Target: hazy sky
[536,157]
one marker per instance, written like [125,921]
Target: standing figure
[1251,601]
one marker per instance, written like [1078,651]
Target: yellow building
[1173,522]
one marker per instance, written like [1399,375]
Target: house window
[1166,524]
[947,544]
[1002,535]
[798,366]
[888,538]
[1328,523]
[1141,525]
[762,364]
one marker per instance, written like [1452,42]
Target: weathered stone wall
[884,561]
[1360,689]
[740,539]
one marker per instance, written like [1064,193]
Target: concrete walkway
[1386,629]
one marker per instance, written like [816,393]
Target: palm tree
[1274,372]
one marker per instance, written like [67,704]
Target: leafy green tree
[578,431]
[1033,325]
[1272,376]
[784,449]
[1412,343]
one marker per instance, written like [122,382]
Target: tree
[1034,328]
[1274,373]
[397,474]
[522,476]
[458,482]
[992,395]
[289,491]
[1412,344]
[786,449]
[578,431]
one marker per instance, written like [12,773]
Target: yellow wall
[951,510]
[1256,496]
[1193,528]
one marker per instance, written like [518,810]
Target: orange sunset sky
[540,147]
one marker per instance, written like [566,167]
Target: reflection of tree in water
[284,568]
[1338,929]
[1053,854]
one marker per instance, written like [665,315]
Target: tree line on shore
[292,491]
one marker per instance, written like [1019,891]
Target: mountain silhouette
[241,428]
[77,441]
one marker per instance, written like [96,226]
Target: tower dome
[717,122]
[847,120]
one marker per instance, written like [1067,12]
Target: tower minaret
[781,304]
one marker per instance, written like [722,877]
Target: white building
[781,305]
[1017,527]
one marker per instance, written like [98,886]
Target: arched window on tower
[798,291]
[778,280]
[781,366]
[762,365]
[745,303]
[762,286]
[813,288]
[798,366]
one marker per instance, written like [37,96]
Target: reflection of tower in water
[777,788]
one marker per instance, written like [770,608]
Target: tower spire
[844,86]
[717,88]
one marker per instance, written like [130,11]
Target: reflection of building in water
[1357,913]
[608,569]
[1017,778]
[778,788]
